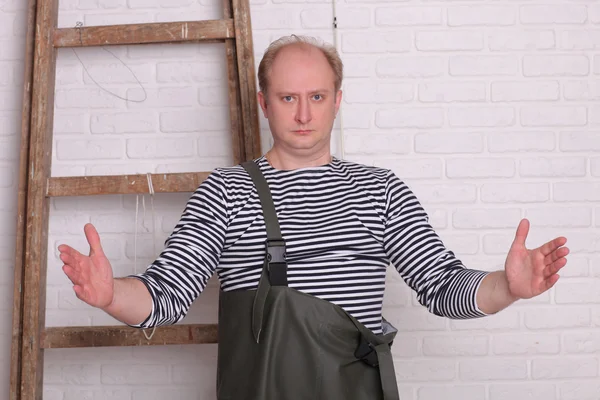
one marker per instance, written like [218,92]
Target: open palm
[91,275]
[532,272]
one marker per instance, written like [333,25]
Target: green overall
[277,343]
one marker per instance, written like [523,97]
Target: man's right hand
[91,275]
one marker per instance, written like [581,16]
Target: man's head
[300,80]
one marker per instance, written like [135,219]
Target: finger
[522,232]
[555,267]
[91,234]
[64,249]
[72,274]
[551,281]
[80,293]
[556,254]
[68,259]
[553,245]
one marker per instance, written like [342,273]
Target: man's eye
[317,97]
[287,98]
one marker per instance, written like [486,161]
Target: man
[342,224]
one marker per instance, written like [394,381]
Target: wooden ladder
[36,187]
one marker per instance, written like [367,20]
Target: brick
[275,18]
[462,392]
[581,342]
[452,92]
[554,116]
[481,116]
[521,40]
[563,367]
[436,143]
[70,123]
[174,393]
[556,65]
[445,193]
[462,244]
[10,100]
[552,167]
[515,192]
[114,73]
[486,219]
[455,346]
[96,394]
[160,148]
[358,67]
[480,168]
[553,14]
[176,72]
[448,41]
[526,344]
[576,191]
[525,91]
[52,394]
[130,122]
[356,118]
[378,42]
[596,65]
[425,370]
[78,374]
[352,17]
[398,295]
[511,391]
[6,72]
[577,267]
[163,97]
[408,16]
[86,98]
[193,121]
[67,170]
[104,19]
[482,65]
[490,369]
[506,320]
[378,92]
[557,317]
[582,90]
[481,15]
[158,3]
[140,374]
[560,217]
[67,224]
[213,96]
[176,51]
[595,166]
[319,18]
[214,145]
[416,319]
[410,67]
[13,5]
[7,177]
[580,40]
[578,292]
[410,117]
[594,115]
[520,141]
[377,144]
[97,149]
[579,390]
[9,123]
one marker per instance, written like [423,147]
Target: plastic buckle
[366,353]
[275,251]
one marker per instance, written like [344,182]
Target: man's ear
[338,101]
[262,101]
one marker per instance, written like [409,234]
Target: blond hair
[330,53]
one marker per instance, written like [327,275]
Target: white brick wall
[488,111]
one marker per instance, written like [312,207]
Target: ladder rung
[124,184]
[100,336]
[162,32]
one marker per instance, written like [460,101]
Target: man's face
[301,102]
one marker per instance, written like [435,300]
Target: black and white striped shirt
[343,224]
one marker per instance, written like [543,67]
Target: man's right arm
[132,303]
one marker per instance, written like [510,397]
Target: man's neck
[283,161]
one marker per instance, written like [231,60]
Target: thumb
[522,232]
[91,234]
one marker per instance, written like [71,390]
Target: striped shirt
[344,223]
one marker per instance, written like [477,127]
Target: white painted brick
[526,344]
[525,91]
[556,65]
[192,121]
[595,166]
[358,67]
[461,244]
[356,117]
[438,218]
[518,40]
[557,318]
[501,142]
[576,191]
[320,18]
[275,18]
[410,67]
[212,145]
[52,394]
[86,98]
[9,123]
[580,141]
[492,369]
[78,374]
[87,204]
[522,391]
[213,96]
[160,148]
[596,64]
[408,347]
[130,122]
[481,116]
[13,5]
[67,170]
[449,41]
[377,144]
[553,14]
[176,72]
[581,342]
[425,370]
[486,219]
[515,192]
[462,392]
[158,3]
[482,65]
[554,116]
[582,90]
[445,193]
[115,73]
[7,223]
[97,149]
[96,394]
[552,167]
[138,17]
[594,115]
[415,319]
[579,390]
[352,17]
[455,346]
[578,267]
[481,15]
[67,224]
[176,51]
[449,143]
[408,16]
[163,97]
[410,117]
[376,42]
[480,168]
[570,217]
[10,100]
[563,367]
[378,92]
[580,40]
[7,177]
[113,248]
[452,91]
[134,374]
[70,123]
[569,292]
[505,320]
[396,295]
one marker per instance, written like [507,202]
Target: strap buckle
[276,264]
[366,352]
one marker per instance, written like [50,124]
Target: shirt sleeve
[442,283]
[190,257]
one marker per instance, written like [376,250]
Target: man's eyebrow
[283,93]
